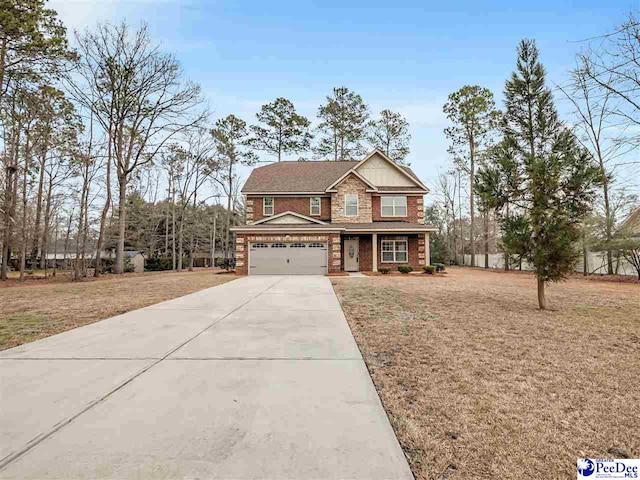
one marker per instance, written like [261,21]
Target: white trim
[346,174]
[391,230]
[284,231]
[409,193]
[264,207]
[319,206]
[395,165]
[357,204]
[393,206]
[285,194]
[395,251]
[288,212]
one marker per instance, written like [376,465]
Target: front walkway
[256,378]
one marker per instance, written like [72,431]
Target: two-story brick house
[326,217]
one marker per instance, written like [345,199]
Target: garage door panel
[296,258]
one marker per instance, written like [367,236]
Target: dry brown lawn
[479,383]
[42,308]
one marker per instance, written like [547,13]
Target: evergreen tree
[343,123]
[390,133]
[284,132]
[472,112]
[33,42]
[558,176]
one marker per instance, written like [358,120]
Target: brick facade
[415,210]
[413,247]
[334,251]
[301,205]
[351,185]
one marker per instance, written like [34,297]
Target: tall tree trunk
[506,254]
[460,218]
[608,216]
[173,230]
[3,59]
[542,301]
[486,239]
[46,224]
[230,192]
[213,242]
[180,237]
[25,178]
[55,250]
[192,248]
[9,200]
[472,172]
[37,239]
[122,223]
[105,209]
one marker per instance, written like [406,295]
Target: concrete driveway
[256,378]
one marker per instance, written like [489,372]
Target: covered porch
[370,251]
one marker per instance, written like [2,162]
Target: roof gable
[381,171]
[288,218]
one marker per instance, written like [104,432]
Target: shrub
[429,269]
[227,263]
[439,267]
[157,264]
[405,269]
[384,271]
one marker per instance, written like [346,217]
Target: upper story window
[267,206]
[393,206]
[351,205]
[314,205]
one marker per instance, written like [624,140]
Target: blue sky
[406,56]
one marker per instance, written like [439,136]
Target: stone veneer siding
[351,185]
[415,210]
[301,205]
[332,239]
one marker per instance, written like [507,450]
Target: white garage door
[279,258]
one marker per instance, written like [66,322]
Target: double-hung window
[392,206]
[314,205]
[394,251]
[351,205]
[267,206]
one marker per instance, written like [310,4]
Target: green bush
[384,271]
[157,264]
[405,269]
[429,269]
[439,267]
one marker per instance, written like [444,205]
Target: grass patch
[37,310]
[479,383]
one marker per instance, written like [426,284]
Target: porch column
[374,249]
[427,251]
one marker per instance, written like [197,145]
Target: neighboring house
[136,259]
[322,217]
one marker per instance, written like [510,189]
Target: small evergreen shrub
[439,267]
[429,269]
[405,269]
[384,271]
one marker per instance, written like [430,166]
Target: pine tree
[285,131]
[343,123]
[558,176]
[390,133]
[472,112]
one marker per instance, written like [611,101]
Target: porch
[368,252]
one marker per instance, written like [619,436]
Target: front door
[351,258]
